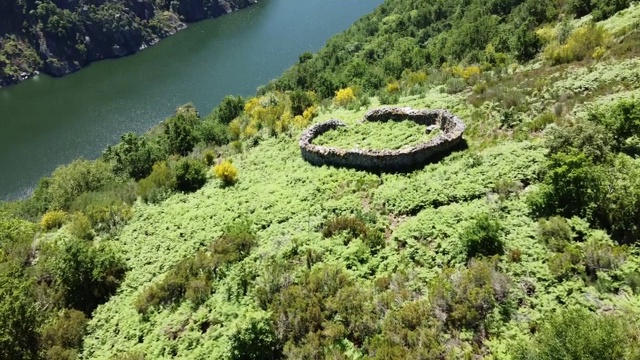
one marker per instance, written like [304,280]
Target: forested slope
[61,36]
[211,237]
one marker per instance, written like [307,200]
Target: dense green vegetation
[211,237]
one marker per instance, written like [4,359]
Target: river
[46,122]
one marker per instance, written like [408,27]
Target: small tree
[191,175]
[482,237]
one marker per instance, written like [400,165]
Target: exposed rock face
[386,160]
[66,35]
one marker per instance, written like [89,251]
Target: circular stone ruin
[386,160]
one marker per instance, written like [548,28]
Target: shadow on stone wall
[401,160]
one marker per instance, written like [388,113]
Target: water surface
[45,122]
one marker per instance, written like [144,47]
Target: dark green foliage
[191,175]
[63,335]
[573,186]
[230,107]
[601,9]
[323,307]
[580,335]
[19,318]
[87,275]
[622,120]
[355,227]
[158,185]
[180,132]
[555,232]
[192,278]
[410,332]
[255,342]
[134,156]
[483,237]
[468,297]
[213,132]
[300,101]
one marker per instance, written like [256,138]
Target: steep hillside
[211,237]
[59,37]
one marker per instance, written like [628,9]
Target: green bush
[483,237]
[87,275]
[467,297]
[70,181]
[134,156]
[622,120]
[180,132]
[555,232]
[63,334]
[580,334]
[191,175]
[158,185]
[230,107]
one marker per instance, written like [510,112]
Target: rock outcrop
[386,160]
[61,36]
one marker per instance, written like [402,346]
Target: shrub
[191,175]
[566,264]
[455,85]
[226,172]
[134,156]
[622,120]
[158,185]
[300,101]
[467,297]
[70,181]
[255,340]
[63,334]
[344,97]
[353,226]
[192,278]
[580,334]
[230,107]
[80,226]
[180,133]
[87,275]
[213,132]
[483,237]
[209,157]
[409,332]
[53,219]
[555,232]
[107,210]
[581,44]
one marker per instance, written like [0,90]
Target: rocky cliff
[61,36]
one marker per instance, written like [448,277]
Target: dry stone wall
[386,160]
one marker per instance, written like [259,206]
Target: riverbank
[88,34]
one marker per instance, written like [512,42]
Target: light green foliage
[70,181]
[579,334]
[300,261]
[377,135]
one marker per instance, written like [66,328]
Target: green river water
[46,122]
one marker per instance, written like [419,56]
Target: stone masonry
[386,160]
